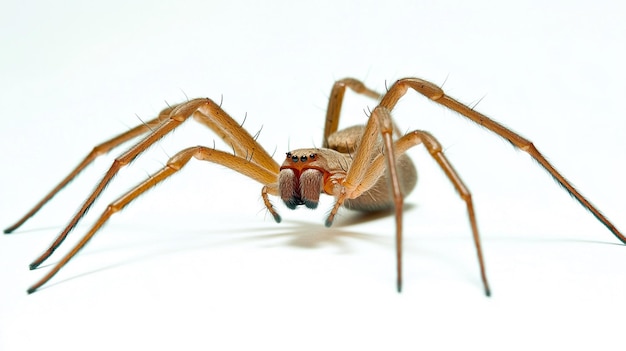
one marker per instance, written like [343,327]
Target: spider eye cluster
[303,158]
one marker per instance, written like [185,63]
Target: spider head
[301,179]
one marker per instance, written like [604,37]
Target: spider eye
[289,155]
[303,158]
[312,156]
[294,158]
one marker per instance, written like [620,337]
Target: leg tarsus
[329,222]
[265,191]
[331,216]
[277,217]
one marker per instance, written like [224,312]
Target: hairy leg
[176,163]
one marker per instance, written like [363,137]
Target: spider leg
[270,189]
[366,170]
[107,146]
[98,150]
[205,107]
[233,133]
[436,94]
[177,162]
[336,100]
[434,148]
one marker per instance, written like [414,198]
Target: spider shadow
[310,235]
[293,233]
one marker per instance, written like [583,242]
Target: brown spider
[350,165]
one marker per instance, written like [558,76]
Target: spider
[364,168]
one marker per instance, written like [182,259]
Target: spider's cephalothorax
[363,167]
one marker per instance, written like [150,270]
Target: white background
[199,264]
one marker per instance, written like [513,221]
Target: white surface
[198,264]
